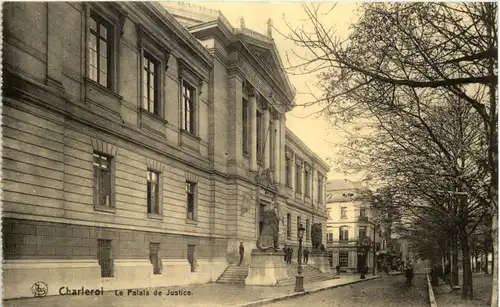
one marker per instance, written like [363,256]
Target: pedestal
[266,268]
[319,261]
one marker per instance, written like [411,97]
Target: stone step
[234,274]
[231,280]
[237,270]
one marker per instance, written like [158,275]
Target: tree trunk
[467,293]
[478,268]
[492,258]
[454,263]
[494,234]
[485,264]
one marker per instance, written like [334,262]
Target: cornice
[177,29]
[295,140]
[307,209]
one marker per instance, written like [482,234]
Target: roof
[343,185]
[197,19]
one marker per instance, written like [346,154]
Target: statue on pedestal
[269,236]
[316,235]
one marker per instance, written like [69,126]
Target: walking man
[290,253]
[306,255]
[242,251]
[285,250]
[409,274]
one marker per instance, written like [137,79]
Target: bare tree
[398,64]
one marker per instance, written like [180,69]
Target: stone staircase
[311,274]
[234,274]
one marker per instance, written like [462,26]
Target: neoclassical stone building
[138,151]
[349,220]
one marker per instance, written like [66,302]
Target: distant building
[349,219]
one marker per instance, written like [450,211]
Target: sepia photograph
[244,153]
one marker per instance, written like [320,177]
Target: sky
[313,131]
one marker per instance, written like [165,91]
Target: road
[388,291]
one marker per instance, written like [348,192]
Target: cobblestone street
[388,291]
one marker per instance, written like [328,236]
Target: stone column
[277,146]
[266,137]
[235,152]
[303,180]
[313,185]
[323,191]
[252,102]
[282,142]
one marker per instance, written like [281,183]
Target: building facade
[138,152]
[349,220]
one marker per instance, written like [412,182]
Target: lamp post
[363,246]
[299,278]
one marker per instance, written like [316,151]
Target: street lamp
[363,246]
[299,278]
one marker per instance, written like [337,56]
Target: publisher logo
[39,289]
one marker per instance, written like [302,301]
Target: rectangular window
[150,86]
[191,198]
[343,234]
[362,212]
[188,110]
[298,225]
[191,257]
[102,179]
[259,137]
[343,259]
[153,192]
[298,178]
[307,183]
[343,212]
[330,237]
[104,257]
[100,36]
[362,232]
[244,124]
[288,171]
[289,225]
[307,230]
[154,249]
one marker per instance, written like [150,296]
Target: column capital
[275,115]
[253,92]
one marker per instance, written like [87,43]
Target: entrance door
[261,217]
[343,259]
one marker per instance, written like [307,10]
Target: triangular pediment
[265,52]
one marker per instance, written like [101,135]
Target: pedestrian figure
[242,251]
[409,274]
[306,255]
[290,254]
[285,250]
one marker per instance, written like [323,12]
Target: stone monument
[318,257]
[266,266]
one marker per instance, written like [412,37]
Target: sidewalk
[212,294]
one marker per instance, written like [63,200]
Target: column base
[266,268]
[320,261]
[299,283]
